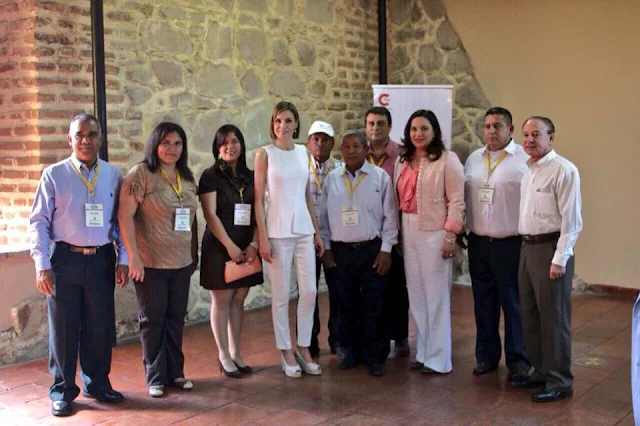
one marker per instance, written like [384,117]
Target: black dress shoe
[244,370]
[348,363]
[517,373]
[60,408]
[483,368]
[109,397]
[550,395]
[527,383]
[231,374]
[376,370]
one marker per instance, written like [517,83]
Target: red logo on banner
[383,99]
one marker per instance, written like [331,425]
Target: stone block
[429,59]
[459,62]
[205,127]
[215,80]
[434,9]
[280,52]
[252,45]
[317,88]
[217,41]
[126,304]
[256,6]
[252,84]
[399,11]
[471,94]
[167,38]
[255,124]
[172,12]
[137,95]
[399,58]
[447,36]
[168,73]
[306,51]
[29,317]
[319,11]
[286,83]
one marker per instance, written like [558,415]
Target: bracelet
[451,240]
[254,244]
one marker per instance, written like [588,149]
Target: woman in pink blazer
[429,183]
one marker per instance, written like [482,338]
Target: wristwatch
[254,245]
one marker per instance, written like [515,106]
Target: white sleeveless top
[287,214]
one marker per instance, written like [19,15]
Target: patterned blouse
[159,245]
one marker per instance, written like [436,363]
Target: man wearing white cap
[320,142]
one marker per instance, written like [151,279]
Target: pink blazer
[440,193]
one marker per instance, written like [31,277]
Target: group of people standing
[382,224]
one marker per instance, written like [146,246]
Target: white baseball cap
[321,127]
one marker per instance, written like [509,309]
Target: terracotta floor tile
[272,400]
[23,394]
[357,419]
[599,404]
[251,384]
[599,362]
[627,421]
[290,417]
[392,409]
[573,416]
[230,414]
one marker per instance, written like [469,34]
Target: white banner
[403,100]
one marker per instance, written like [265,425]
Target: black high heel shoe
[233,374]
[244,370]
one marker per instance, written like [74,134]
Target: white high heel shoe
[290,370]
[310,368]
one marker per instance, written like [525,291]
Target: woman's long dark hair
[436,146]
[243,175]
[151,149]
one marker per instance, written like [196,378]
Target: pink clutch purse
[235,271]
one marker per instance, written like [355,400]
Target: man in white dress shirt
[550,222]
[359,224]
[492,196]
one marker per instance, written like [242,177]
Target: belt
[541,238]
[356,246]
[492,239]
[87,251]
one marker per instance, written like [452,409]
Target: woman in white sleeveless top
[288,233]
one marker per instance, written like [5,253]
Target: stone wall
[424,48]
[201,63]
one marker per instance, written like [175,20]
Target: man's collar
[79,164]
[390,149]
[366,168]
[547,158]
[509,149]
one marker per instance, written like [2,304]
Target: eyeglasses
[91,136]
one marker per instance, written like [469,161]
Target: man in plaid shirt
[320,142]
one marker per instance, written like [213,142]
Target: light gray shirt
[377,210]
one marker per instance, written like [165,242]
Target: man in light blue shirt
[75,207]
[359,226]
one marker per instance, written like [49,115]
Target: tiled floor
[601,348]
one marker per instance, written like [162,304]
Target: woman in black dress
[226,194]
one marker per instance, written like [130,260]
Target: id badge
[349,216]
[94,215]
[182,220]
[242,214]
[485,193]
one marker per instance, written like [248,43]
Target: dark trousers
[330,276]
[493,266]
[396,300]
[81,320]
[360,295]
[546,315]
[162,304]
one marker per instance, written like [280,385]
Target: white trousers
[429,279]
[287,251]
[635,360]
